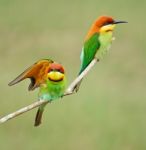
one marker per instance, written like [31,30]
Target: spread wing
[89,50]
[37,74]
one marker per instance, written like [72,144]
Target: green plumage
[89,50]
[52,90]
[49,91]
[97,45]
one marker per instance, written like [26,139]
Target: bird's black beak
[117,22]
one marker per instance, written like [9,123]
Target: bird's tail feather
[38,118]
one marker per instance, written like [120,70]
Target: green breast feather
[52,90]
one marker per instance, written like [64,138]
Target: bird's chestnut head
[107,23]
[56,72]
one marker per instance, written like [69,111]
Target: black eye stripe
[58,70]
[108,30]
[107,23]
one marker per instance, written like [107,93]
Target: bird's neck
[105,37]
[51,90]
[105,40]
[94,29]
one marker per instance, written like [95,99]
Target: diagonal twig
[69,91]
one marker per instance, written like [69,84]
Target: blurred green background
[109,111]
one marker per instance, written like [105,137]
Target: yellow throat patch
[55,76]
[107,28]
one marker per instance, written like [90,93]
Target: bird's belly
[103,51]
[56,92]
[50,93]
[45,96]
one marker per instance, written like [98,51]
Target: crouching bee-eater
[50,77]
[97,41]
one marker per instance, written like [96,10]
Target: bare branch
[69,91]
[22,110]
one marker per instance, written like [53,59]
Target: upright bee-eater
[50,77]
[97,41]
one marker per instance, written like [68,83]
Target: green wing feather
[89,50]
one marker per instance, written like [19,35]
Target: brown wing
[37,74]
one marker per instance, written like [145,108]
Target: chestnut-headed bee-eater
[97,41]
[50,77]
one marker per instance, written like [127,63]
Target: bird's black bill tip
[118,22]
